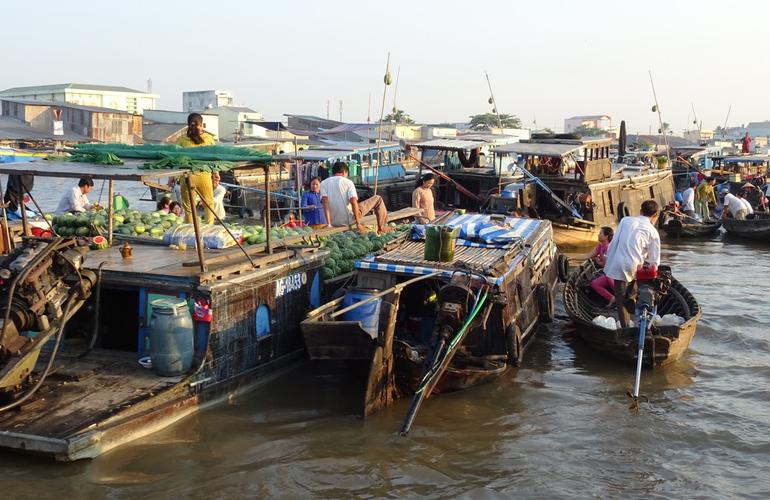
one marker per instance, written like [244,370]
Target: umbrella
[622,140]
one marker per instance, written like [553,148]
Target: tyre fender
[562,267]
[623,211]
[545,303]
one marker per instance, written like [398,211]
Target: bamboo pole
[386,82]
[110,208]
[196,226]
[660,118]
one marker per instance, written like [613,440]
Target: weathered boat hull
[663,344]
[677,229]
[567,237]
[757,228]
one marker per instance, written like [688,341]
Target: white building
[101,96]
[201,100]
[602,122]
[234,119]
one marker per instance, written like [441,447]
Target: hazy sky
[546,59]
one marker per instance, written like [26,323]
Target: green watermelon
[99,243]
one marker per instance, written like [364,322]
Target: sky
[547,60]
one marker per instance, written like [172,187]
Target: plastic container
[368,314]
[440,243]
[171,337]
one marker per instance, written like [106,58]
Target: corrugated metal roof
[450,144]
[539,149]
[161,132]
[15,130]
[94,109]
[64,86]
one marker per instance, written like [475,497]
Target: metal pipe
[6,227]
[110,194]
[196,227]
[385,292]
[268,246]
[24,225]
[206,205]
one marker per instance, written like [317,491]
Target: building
[699,136]
[200,100]
[100,96]
[166,117]
[758,129]
[236,122]
[310,123]
[95,123]
[602,122]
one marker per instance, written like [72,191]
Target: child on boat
[603,285]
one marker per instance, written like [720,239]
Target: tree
[665,128]
[488,121]
[586,131]
[398,116]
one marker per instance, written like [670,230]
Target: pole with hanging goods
[387,80]
[493,102]
[656,108]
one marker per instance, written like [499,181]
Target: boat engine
[454,302]
[42,285]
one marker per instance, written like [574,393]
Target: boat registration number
[290,283]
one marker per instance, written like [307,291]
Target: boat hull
[662,344]
[677,229]
[757,229]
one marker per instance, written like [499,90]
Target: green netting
[217,152]
[96,157]
[183,161]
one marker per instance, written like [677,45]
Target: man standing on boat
[746,144]
[341,205]
[704,194]
[636,244]
[688,200]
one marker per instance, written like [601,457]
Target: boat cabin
[737,168]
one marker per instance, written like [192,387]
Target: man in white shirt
[219,195]
[75,200]
[735,207]
[636,243]
[341,206]
[746,203]
[688,200]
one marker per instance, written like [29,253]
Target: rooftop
[72,86]
[15,130]
[589,117]
[93,109]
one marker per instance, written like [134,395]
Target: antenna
[340,109]
[726,118]
[327,109]
[149,85]
[369,109]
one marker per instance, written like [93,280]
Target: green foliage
[586,131]
[399,117]
[488,121]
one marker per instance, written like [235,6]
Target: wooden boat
[571,183]
[756,228]
[519,275]
[687,227]
[662,344]
[247,310]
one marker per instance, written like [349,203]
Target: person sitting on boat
[636,244]
[704,195]
[422,198]
[734,207]
[603,285]
[75,200]
[341,205]
[218,193]
[688,200]
[176,209]
[312,207]
[746,204]
[164,205]
[200,180]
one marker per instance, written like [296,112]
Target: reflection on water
[557,427]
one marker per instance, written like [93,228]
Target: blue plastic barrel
[368,314]
[171,337]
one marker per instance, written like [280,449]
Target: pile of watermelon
[257,234]
[143,224]
[345,248]
[86,224]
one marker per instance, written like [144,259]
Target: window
[652,192]
[611,204]
[263,321]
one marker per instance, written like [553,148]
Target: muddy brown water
[557,427]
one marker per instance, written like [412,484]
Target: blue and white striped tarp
[370,264]
[479,230]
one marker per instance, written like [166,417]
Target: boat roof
[539,149]
[332,151]
[743,158]
[129,171]
[525,238]
[451,144]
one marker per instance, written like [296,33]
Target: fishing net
[217,152]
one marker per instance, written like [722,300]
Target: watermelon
[157,231]
[139,229]
[99,243]
[328,272]
[82,231]
[49,217]
[118,219]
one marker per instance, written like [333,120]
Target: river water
[559,426]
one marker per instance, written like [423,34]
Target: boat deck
[78,394]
